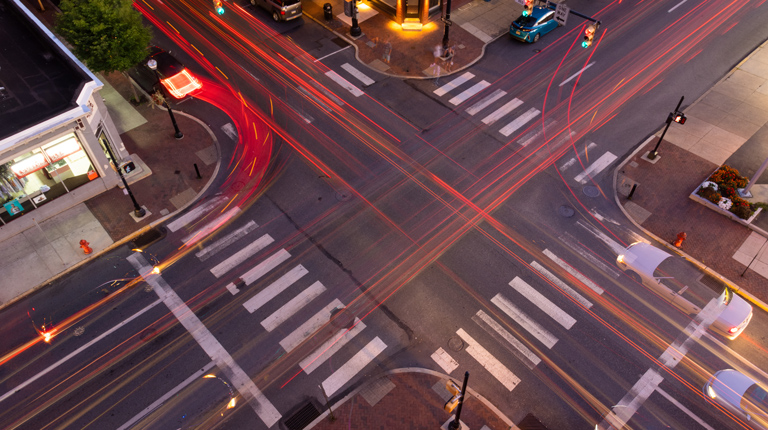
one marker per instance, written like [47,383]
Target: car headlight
[711,392]
[620,259]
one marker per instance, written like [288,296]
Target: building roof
[39,78]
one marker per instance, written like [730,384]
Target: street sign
[561,13]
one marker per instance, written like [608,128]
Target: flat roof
[38,81]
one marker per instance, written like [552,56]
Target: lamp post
[447,21]
[152,64]
[355,31]
[456,423]
[653,154]
[137,210]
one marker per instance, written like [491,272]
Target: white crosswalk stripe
[335,77]
[519,122]
[265,266]
[444,360]
[310,326]
[500,112]
[210,227]
[588,255]
[275,288]
[543,335]
[224,242]
[567,267]
[325,351]
[616,247]
[292,306]
[348,370]
[532,135]
[507,339]
[471,91]
[241,255]
[195,213]
[562,285]
[572,160]
[362,77]
[601,163]
[542,302]
[453,84]
[486,101]
[508,379]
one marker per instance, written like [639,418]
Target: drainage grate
[148,238]
[302,417]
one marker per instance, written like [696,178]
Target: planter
[723,206]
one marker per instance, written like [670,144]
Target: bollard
[680,238]
[198,172]
[327,11]
[632,192]
[84,244]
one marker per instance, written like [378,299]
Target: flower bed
[721,189]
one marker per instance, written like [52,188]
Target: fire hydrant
[84,244]
[680,238]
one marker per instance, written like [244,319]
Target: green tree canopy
[107,35]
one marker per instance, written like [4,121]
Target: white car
[741,395]
[679,282]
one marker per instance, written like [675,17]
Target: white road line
[239,379]
[332,53]
[567,267]
[265,266]
[318,86]
[543,335]
[164,398]
[521,351]
[632,401]
[601,163]
[616,247]
[532,135]
[232,288]
[195,213]
[562,285]
[275,288]
[471,91]
[601,217]
[508,379]
[215,247]
[519,122]
[78,350]
[344,83]
[485,102]
[577,74]
[362,77]
[294,305]
[210,227]
[684,409]
[453,84]
[500,112]
[445,361]
[355,364]
[241,255]
[677,6]
[331,346]
[542,302]
[572,160]
[310,326]
[573,243]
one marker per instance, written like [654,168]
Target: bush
[710,194]
[741,208]
[728,177]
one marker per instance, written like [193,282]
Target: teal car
[530,28]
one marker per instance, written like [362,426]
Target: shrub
[710,194]
[728,177]
[741,208]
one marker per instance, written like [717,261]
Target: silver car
[741,395]
[682,285]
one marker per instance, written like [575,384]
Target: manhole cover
[566,211]
[341,317]
[343,195]
[591,191]
[455,343]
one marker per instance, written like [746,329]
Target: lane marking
[344,83]
[78,350]
[519,122]
[291,307]
[601,163]
[275,288]
[332,53]
[574,244]
[546,305]
[637,395]
[331,346]
[355,364]
[318,86]
[616,247]
[471,91]
[684,409]
[567,267]
[677,6]
[581,153]
[159,402]
[500,112]
[362,77]
[265,266]
[560,284]
[453,84]
[210,227]
[508,379]
[310,326]
[543,335]
[211,250]
[317,100]
[444,360]
[236,375]
[577,74]
[240,256]
[195,213]
[528,357]
[529,137]
[485,102]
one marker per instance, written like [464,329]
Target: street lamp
[675,116]
[152,64]
[137,210]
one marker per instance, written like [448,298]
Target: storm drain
[302,417]
[149,237]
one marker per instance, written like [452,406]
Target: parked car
[679,282]
[281,10]
[176,79]
[741,395]
[530,28]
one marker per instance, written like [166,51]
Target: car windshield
[289,2]
[755,401]
[525,21]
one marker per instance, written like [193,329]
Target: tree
[107,35]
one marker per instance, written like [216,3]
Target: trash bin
[328,11]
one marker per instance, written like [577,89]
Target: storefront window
[39,176]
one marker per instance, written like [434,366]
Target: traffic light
[451,404]
[528,8]
[589,34]
[679,118]
[218,7]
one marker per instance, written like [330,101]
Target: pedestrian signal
[217,5]
[679,118]
[589,34]
[451,404]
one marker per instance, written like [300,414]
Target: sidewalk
[727,125]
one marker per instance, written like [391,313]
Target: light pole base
[139,214]
[447,424]
[355,31]
[178,135]
[647,157]
[744,194]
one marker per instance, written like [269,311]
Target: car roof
[167,64]
[644,257]
[731,385]
[540,11]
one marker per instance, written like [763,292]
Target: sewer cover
[591,191]
[455,343]
[566,211]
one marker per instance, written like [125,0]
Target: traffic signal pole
[456,423]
